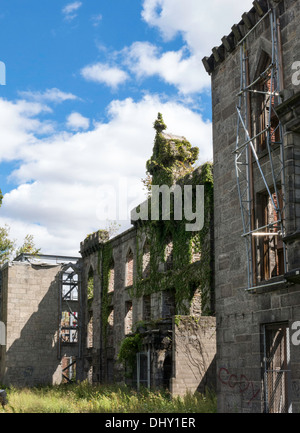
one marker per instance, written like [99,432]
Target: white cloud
[69,10]
[104,74]
[186,73]
[201,24]
[69,182]
[96,19]
[50,95]
[76,121]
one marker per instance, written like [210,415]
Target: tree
[7,246]
[28,247]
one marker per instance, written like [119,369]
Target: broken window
[129,269]
[276,368]
[269,244]
[264,99]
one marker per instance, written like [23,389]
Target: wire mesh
[276,368]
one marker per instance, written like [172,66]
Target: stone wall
[30,312]
[194,351]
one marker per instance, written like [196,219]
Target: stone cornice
[238,31]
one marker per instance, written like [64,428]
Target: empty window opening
[110,371]
[167,371]
[168,303]
[146,259]
[69,327]
[196,253]
[276,365]
[129,269]
[68,365]
[128,317]
[90,333]
[147,307]
[90,285]
[111,281]
[110,328]
[169,255]
[69,287]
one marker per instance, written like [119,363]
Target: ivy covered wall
[172,162]
[170,264]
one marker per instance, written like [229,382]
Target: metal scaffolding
[69,335]
[248,163]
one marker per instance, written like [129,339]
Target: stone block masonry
[194,347]
[30,300]
[251,376]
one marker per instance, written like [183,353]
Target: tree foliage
[28,247]
[7,246]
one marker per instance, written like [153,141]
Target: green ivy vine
[105,253]
[169,155]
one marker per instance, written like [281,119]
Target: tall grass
[86,398]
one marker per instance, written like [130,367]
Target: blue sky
[84,83]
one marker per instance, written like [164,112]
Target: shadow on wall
[195,354]
[209,380]
[32,358]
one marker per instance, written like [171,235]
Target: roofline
[23,256]
[238,31]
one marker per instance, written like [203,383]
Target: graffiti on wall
[240,383]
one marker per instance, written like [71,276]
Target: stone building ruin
[149,288]
[160,306]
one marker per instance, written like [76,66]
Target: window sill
[275,283]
